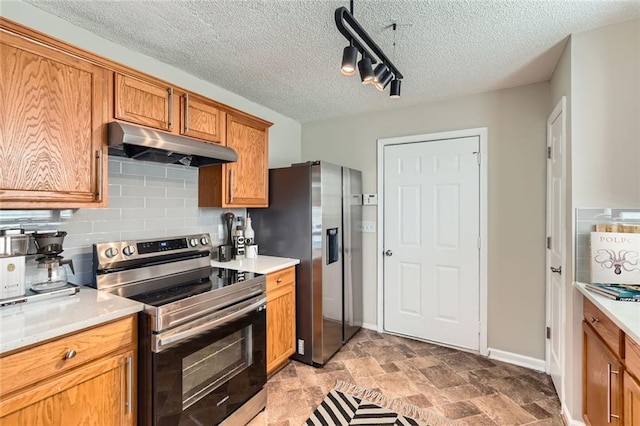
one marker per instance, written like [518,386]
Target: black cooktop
[219,278]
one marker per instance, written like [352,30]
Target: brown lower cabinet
[281,317]
[602,379]
[631,401]
[84,378]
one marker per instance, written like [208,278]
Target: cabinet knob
[594,320]
[70,354]
[279,280]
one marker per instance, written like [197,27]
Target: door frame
[560,108]
[482,134]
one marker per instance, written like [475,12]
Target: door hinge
[478,156]
[549,243]
[549,152]
[548,332]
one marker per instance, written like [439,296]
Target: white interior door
[555,243]
[431,240]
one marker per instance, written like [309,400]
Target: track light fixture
[360,42]
[349,59]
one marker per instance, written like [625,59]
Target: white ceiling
[285,54]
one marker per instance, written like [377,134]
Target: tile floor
[467,388]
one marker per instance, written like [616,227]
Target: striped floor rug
[349,404]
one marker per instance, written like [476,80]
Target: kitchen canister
[251,251]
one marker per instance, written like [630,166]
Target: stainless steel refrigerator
[313,215]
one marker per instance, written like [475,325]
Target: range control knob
[129,250]
[111,252]
[204,241]
[193,242]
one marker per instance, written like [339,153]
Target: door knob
[557,270]
[388,253]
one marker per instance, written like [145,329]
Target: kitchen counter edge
[260,265]
[33,323]
[625,315]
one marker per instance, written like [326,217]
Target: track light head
[349,59]
[395,88]
[383,81]
[366,70]
[379,71]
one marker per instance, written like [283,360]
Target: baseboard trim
[373,327]
[568,420]
[517,359]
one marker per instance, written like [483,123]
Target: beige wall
[515,119]
[600,74]
[606,116]
[284,135]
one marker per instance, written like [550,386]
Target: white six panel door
[431,237]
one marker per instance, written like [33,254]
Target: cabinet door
[100,393]
[143,103]
[602,375]
[631,401]
[247,184]
[202,119]
[53,114]
[281,327]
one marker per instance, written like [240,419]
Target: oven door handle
[160,343]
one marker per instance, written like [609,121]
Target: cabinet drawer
[280,278]
[608,331]
[48,359]
[632,357]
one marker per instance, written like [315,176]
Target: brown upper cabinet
[167,108]
[245,182]
[53,114]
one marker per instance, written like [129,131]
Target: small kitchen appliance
[202,333]
[50,273]
[225,251]
[13,249]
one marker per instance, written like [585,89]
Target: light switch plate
[221,235]
[370,199]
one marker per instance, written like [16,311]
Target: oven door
[203,371]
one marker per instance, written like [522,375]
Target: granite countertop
[625,315]
[30,323]
[260,265]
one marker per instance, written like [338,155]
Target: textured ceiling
[285,54]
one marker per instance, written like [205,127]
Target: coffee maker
[50,272]
[13,249]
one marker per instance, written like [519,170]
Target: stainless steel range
[202,347]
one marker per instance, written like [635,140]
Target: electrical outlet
[221,233]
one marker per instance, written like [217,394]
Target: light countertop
[30,323]
[625,315]
[260,265]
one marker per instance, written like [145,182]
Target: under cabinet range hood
[140,143]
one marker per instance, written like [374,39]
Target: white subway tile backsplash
[76,226]
[163,182]
[143,213]
[142,191]
[146,170]
[145,200]
[96,214]
[126,202]
[586,219]
[164,224]
[183,212]
[114,190]
[188,192]
[190,173]
[118,225]
[129,180]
